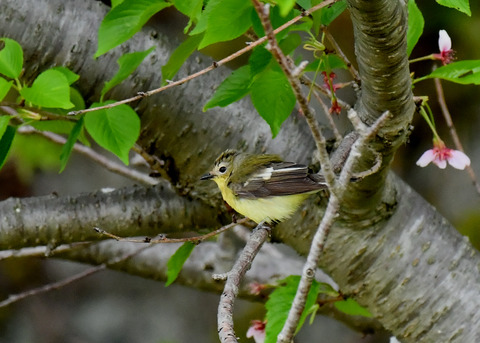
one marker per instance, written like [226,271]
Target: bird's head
[223,167]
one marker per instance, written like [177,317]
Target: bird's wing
[277,179]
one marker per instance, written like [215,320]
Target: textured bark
[389,249]
[52,220]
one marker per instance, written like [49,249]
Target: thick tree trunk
[390,249]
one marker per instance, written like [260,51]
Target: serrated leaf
[115,129]
[460,5]
[233,88]
[279,303]
[226,20]
[463,72]
[176,262]
[351,307]
[179,56]
[127,64]
[70,75]
[4,120]
[4,87]
[6,143]
[67,148]
[273,97]
[124,20]
[11,58]
[415,25]
[49,89]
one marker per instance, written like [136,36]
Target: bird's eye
[222,169]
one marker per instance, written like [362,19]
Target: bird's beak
[206,177]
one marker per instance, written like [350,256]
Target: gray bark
[389,249]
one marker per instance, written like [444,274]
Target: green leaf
[124,20]
[351,307]
[279,303]
[285,6]
[463,72]
[273,97]
[327,62]
[415,25]
[191,8]
[460,5]
[4,120]
[226,20]
[259,60]
[4,87]
[127,64]
[176,262]
[115,3]
[70,75]
[330,13]
[49,89]
[290,43]
[115,129]
[276,19]
[67,148]
[179,56]
[11,58]
[6,143]
[325,288]
[233,88]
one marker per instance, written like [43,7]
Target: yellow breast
[268,209]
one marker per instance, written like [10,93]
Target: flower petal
[442,164]
[444,41]
[427,157]
[459,160]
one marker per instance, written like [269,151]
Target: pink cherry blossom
[257,331]
[440,155]
[445,47]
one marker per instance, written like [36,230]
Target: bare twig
[318,242]
[65,282]
[163,239]
[453,131]
[40,251]
[340,53]
[226,332]
[336,133]
[263,13]
[90,153]
[213,66]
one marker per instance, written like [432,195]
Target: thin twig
[96,157]
[333,126]
[163,239]
[40,251]
[453,131]
[318,242]
[226,332]
[340,53]
[213,66]
[308,113]
[67,281]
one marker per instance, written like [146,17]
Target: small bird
[263,187]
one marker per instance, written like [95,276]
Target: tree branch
[52,220]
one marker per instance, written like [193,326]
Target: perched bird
[263,187]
